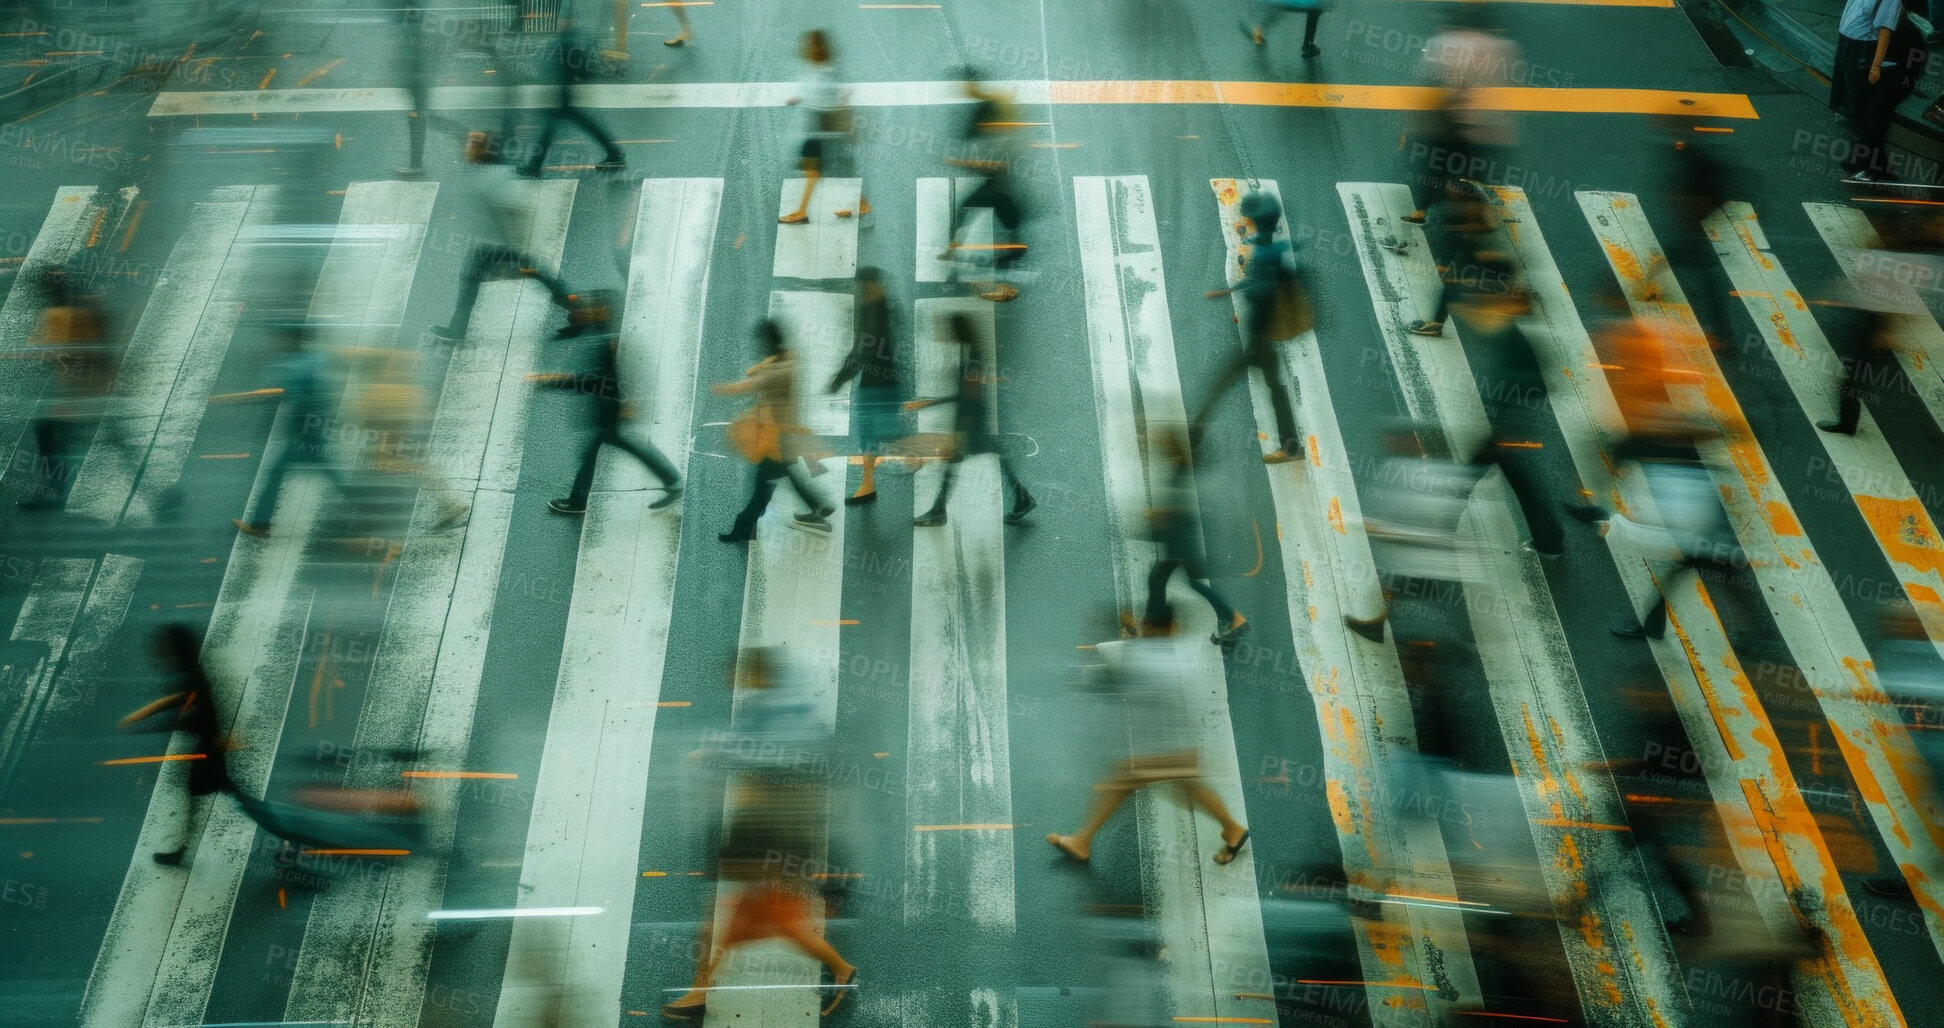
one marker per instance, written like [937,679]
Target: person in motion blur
[1648,367]
[826,140]
[873,362]
[1150,675]
[602,382]
[989,147]
[972,430]
[509,219]
[192,707]
[778,836]
[309,420]
[766,434]
[1273,11]
[81,363]
[623,9]
[1177,529]
[389,408]
[1274,307]
[568,61]
[1463,136]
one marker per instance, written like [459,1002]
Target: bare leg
[681,17]
[820,948]
[1107,798]
[802,213]
[868,483]
[704,968]
[1202,796]
[621,28]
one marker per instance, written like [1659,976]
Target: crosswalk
[610,754]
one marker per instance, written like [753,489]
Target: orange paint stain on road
[1905,531]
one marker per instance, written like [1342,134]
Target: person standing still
[1859,84]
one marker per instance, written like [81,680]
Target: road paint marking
[825,246]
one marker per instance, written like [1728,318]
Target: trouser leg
[593,128]
[647,454]
[1157,598]
[584,478]
[1288,439]
[1548,536]
[483,260]
[945,486]
[762,487]
[1224,613]
[1309,28]
[51,438]
[804,490]
[265,507]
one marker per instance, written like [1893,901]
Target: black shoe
[1836,427]
[612,164]
[1586,512]
[1887,886]
[1311,49]
[1369,628]
[567,506]
[930,519]
[1627,630]
[1426,328]
[731,537]
[674,493]
[1543,554]
[861,500]
[1021,508]
[445,334]
[171,858]
[40,503]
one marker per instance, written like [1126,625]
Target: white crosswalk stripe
[367,955]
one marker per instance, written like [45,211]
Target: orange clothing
[768,909]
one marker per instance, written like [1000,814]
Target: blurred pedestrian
[191,704]
[776,843]
[1150,674]
[1178,532]
[1413,504]
[1465,134]
[569,61]
[765,435]
[1274,307]
[989,146]
[1697,186]
[826,139]
[507,225]
[389,409]
[310,421]
[1273,11]
[1473,261]
[602,382]
[878,407]
[82,362]
[972,429]
[1864,86]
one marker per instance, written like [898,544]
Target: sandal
[1228,853]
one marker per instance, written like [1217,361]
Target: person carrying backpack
[1274,307]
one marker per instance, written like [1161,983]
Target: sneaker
[818,520]
[1226,637]
[1021,508]
[567,506]
[930,519]
[1393,244]
[1628,630]
[1427,328]
[861,499]
[673,494]
[172,857]
[1370,628]
[260,531]
[1836,427]
[1278,457]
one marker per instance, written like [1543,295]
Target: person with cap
[1274,307]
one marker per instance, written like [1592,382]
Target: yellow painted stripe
[1407,98]
[123,762]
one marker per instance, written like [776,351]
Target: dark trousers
[978,446]
[1157,601]
[1263,358]
[55,474]
[1548,536]
[1868,106]
[487,259]
[565,111]
[1274,15]
[610,435]
[1865,366]
[767,471]
[997,198]
[304,449]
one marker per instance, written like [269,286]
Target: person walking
[1465,134]
[310,420]
[82,363]
[623,9]
[1862,82]
[989,147]
[972,432]
[192,705]
[602,382]
[1273,11]
[1274,307]
[826,140]
[1177,530]
[508,222]
[569,61]
[1150,674]
[873,362]
[763,434]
